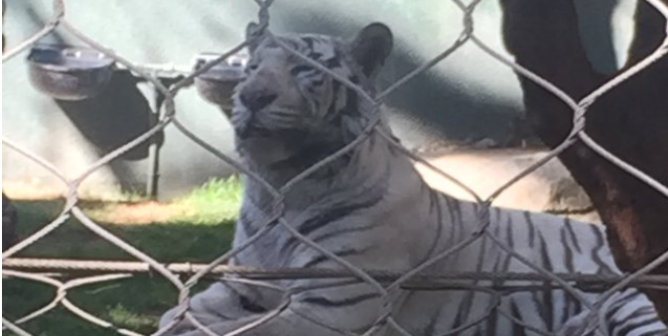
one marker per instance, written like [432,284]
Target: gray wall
[468,96]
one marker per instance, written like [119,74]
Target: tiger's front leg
[225,302]
[342,310]
[286,323]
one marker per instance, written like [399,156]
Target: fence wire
[385,283]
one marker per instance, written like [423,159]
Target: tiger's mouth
[245,125]
[253,131]
[271,146]
[275,123]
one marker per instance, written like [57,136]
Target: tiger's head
[285,108]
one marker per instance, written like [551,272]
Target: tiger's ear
[253,35]
[371,47]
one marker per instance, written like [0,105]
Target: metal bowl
[69,73]
[217,84]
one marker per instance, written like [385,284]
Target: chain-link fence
[412,279]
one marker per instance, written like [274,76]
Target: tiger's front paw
[214,306]
[182,325]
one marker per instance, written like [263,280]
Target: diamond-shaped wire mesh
[384,282]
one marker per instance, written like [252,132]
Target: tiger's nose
[256,100]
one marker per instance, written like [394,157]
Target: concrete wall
[468,96]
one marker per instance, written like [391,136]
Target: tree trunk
[630,121]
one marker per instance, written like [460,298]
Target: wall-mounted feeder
[216,85]
[69,73]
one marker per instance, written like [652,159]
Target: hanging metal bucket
[69,73]
[217,84]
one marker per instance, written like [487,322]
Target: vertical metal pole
[154,149]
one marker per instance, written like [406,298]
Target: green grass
[199,234]
[216,199]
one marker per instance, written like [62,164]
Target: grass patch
[199,228]
[218,198]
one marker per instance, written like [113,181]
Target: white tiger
[371,208]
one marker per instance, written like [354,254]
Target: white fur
[373,209]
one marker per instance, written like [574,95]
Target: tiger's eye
[300,68]
[251,67]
